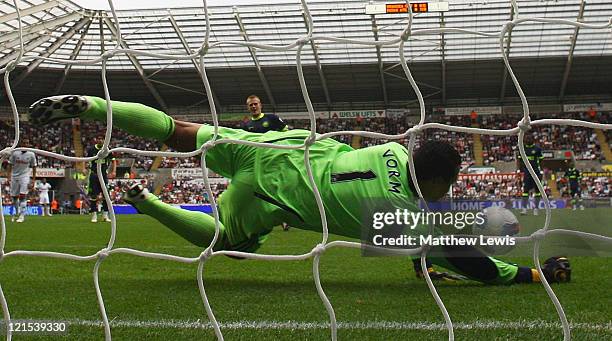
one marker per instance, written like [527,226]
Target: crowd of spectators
[394,126]
[592,187]
[463,142]
[511,187]
[6,194]
[328,126]
[390,126]
[54,138]
[598,187]
[490,189]
[498,148]
[583,142]
[189,192]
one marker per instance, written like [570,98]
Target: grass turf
[139,290]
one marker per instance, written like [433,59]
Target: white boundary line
[301,325]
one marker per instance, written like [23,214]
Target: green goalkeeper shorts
[246,216]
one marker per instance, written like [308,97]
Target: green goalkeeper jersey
[353,183]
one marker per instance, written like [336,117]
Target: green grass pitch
[374,298]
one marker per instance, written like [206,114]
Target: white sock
[23,206]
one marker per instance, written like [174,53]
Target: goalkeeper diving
[271,186]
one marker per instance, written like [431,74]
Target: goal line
[353,325]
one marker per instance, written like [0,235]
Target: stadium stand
[585,143]
[54,138]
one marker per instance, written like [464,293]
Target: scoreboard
[417,7]
[402,7]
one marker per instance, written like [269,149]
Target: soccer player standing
[43,196]
[573,177]
[260,122]
[263,123]
[530,190]
[94,189]
[20,164]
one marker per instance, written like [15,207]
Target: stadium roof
[559,58]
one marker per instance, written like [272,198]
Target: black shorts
[94,188]
[575,189]
[529,183]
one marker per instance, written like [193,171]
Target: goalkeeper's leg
[196,227]
[141,120]
[136,119]
[245,220]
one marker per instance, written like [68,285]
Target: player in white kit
[43,196]
[20,164]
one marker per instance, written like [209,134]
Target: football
[496,221]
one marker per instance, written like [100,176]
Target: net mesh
[318,250]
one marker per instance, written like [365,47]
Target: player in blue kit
[530,190]
[573,178]
[260,122]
